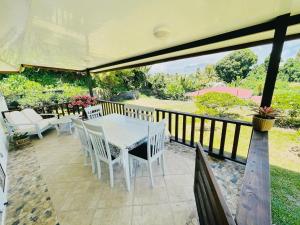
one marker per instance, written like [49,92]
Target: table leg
[57,129]
[126,167]
[70,128]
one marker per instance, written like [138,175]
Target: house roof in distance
[238,92]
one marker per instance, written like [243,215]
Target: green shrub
[288,122]
[174,91]
[18,90]
[217,104]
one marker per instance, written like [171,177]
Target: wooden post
[278,41]
[90,83]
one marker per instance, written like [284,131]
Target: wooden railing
[254,205]
[61,109]
[185,128]
[188,129]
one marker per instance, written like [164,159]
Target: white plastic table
[125,133]
[64,124]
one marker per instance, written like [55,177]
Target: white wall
[3,161]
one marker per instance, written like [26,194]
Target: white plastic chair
[139,112]
[94,112]
[103,151]
[85,143]
[131,110]
[146,113]
[152,150]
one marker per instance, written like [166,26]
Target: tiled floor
[63,190]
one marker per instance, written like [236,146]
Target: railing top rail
[207,117]
[254,202]
[244,123]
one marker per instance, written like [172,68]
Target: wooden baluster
[223,138]
[183,128]
[211,137]
[170,122]
[68,109]
[235,140]
[56,109]
[176,126]
[104,108]
[73,109]
[202,130]
[62,109]
[192,132]
[163,115]
[157,115]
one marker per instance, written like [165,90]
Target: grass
[284,156]
[285,196]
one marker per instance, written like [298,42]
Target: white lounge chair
[28,121]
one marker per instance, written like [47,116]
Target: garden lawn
[284,155]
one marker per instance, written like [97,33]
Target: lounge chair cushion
[32,115]
[17,117]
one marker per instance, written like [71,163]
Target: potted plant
[264,119]
[18,141]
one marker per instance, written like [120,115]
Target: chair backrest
[32,115]
[139,112]
[16,117]
[99,141]
[131,110]
[82,133]
[94,112]
[211,206]
[146,113]
[156,139]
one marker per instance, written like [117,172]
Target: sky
[188,66]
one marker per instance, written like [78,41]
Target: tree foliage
[236,64]
[116,82]
[291,70]
[21,91]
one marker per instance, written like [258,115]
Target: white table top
[122,131]
[64,119]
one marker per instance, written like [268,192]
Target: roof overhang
[103,35]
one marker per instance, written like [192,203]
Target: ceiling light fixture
[161,32]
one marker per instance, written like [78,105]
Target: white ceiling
[74,34]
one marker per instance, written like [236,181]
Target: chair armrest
[20,124]
[48,115]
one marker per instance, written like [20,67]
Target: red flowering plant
[83,101]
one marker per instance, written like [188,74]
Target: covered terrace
[48,184]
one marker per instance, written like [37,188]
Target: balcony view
[102,124]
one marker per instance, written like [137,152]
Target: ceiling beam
[207,52]
[51,68]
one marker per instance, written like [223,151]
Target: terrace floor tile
[50,184]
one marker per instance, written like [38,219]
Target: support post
[278,41]
[90,82]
